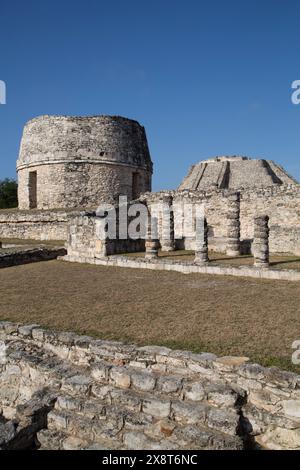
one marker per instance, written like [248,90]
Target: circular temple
[68,162]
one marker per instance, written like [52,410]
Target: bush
[8,193]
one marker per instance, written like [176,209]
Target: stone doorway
[32,185]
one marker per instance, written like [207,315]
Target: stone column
[233,225]
[152,242]
[201,246]
[260,245]
[167,240]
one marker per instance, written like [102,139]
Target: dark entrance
[32,189]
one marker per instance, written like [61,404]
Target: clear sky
[205,78]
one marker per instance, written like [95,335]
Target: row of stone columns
[167,240]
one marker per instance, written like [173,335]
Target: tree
[8,193]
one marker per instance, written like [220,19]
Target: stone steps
[138,430]
[131,405]
[90,409]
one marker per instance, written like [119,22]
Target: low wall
[85,239]
[183,267]
[36,225]
[75,392]
[30,256]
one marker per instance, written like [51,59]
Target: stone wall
[36,225]
[30,256]
[281,203]
[75,392]
[216,205]
[184,267]
[85,239]
[78,184]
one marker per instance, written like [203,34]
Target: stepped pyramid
[235,172]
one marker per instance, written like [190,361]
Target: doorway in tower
[32,184]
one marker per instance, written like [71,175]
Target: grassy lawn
[276,261]
[220,314]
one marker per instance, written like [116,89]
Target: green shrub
[8,193]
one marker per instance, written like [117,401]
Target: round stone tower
[68,162]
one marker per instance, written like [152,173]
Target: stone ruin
[68,164]
[64,391]
[235,173]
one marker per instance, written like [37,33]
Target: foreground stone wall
[74,392]
[36,225]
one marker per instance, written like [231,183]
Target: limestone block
[120,377]
[223,420]
[194,391]
[189,413]
[276,438]
[143,381]
[156,407]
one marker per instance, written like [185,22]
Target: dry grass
[221,314]
[276,261]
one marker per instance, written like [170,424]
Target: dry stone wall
[74,392]
[36,225]
[281,203]
[30,256]
[86,239]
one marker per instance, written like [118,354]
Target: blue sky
[205,78]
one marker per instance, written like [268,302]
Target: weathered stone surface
[189,413]
[120,377]
[169,384]
[194,391]
[291,408]
[225,421]
[223,396]
[95,397]
[156,407]
[143,381]
[277,438]
[78,384]
[74,443]
[95,161]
